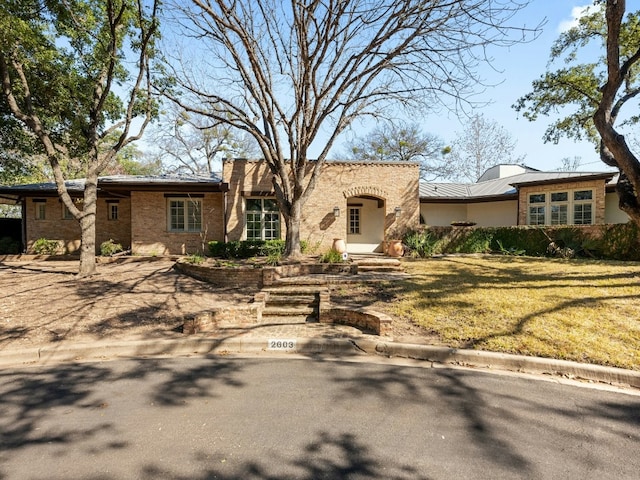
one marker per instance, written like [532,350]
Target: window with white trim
[559,208]
[112,211]
[41,210]
[354,221]
[571,207]
[583,207]
[184,214]
[262,219]
[537,207]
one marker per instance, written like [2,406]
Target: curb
[337,346]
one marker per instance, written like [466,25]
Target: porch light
[397,211]
[336,212]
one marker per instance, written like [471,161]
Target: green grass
[587,311]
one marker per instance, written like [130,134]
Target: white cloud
[576,14]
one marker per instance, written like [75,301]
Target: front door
[365,224]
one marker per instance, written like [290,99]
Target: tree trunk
[292,249]
[88,229]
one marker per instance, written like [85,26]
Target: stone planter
[395,248]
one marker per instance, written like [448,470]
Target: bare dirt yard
[44,301]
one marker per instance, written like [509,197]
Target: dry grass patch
[588,311]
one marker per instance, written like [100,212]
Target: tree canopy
[61,64]
[597,96]
[402,142]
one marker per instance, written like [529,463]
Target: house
[365,203]
[508,195]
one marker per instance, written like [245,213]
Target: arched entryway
[365,222]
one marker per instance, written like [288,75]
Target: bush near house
[616,242]
[249,248]
[43,246]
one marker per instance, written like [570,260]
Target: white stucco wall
[441,215]
[371,234]
[493,214]
[613,214]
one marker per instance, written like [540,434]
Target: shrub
[248,249]
[531,240]
[42,246]
[420,243]
[216,249]
[9,246]
[194,258]
[110,247]
[621,241]
[332,256]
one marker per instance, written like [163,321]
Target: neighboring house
[517,195]
[157,215]
[364,203]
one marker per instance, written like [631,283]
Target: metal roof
[122,183]
[502,186]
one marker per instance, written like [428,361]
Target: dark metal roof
[121,184]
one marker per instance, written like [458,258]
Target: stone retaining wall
[236,277]
[367,320]
[250,277]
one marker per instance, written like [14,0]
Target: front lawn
[588,311]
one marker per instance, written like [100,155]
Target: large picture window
[185,215]
[563,207]
[262,219]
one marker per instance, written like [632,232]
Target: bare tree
[405,143]
[195,144]
[570,164]
[483,144]
[295,74]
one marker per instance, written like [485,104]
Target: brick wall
[396,184]
[150,234]
[598,187]
[67,231]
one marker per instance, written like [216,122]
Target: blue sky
[513,70]
[519,66]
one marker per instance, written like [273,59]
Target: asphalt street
[273,418]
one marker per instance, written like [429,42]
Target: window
[41,210]
[536,216]
[583,207]
[559,208]
[66,213]
[559,215]
[262,219]
[354,221]
[185,215]
[112,211]
[560,205]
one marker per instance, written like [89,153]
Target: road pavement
[265,417]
